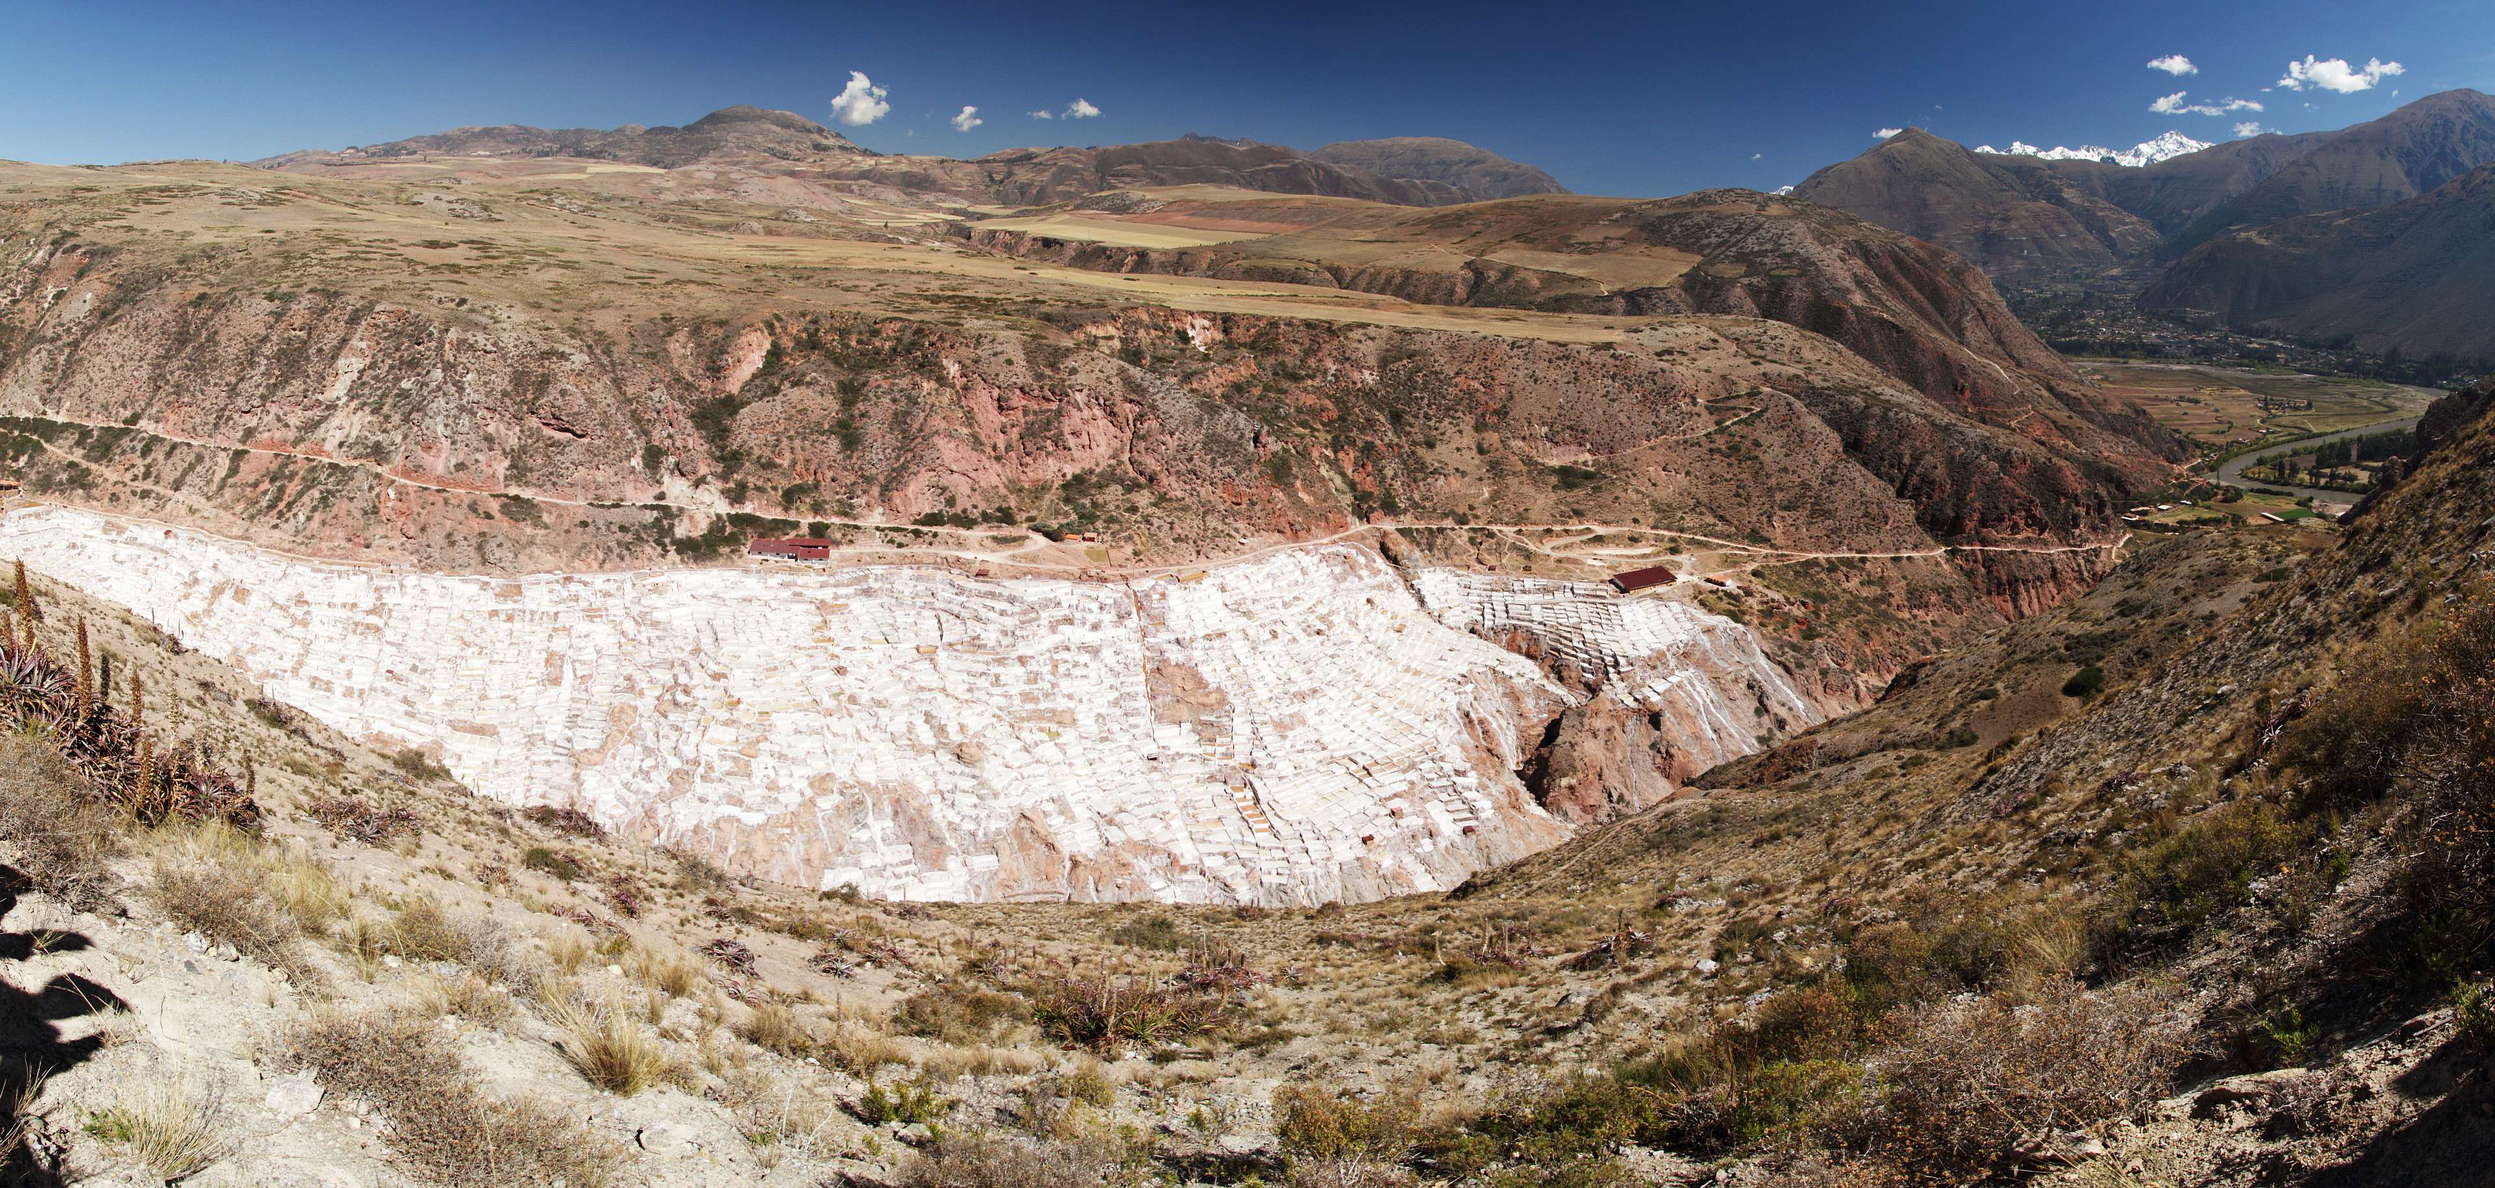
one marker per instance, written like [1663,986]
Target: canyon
[1192,577]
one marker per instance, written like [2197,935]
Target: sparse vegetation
[175,1126]
[610,1048]
[436,1115]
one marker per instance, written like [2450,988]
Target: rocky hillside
[1467,172]
[2406,280]
[2028,221]
[1921,315]
[485,377]
[1036,177]
[2019,218]
[2400,156]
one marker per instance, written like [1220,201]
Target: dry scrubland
[2167,839]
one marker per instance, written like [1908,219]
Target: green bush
[906,1103]
[560,865]
[2086,682]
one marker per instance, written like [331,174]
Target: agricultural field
[2221,406]
[1116,232]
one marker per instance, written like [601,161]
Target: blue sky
[1619,98]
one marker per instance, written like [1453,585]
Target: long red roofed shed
[1642,579]
[794,548]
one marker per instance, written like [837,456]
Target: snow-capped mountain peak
[2147,152]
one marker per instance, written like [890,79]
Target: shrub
[1150,932]
[1325,1129]
[2473,1016]
[360,820]
[2086,682]
[436,1115]
[981,1160]
[229,887]
[775,1028]
[906,1103]
[423,932]
[958,1016]
[1987,1085]
[1105,1009]
[672,974]
[2200,872]
[61,835]
[2409,726]
[564,820]
[554,862]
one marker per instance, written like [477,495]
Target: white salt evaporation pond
[1292,729]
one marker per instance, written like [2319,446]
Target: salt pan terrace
[1292,729]
[1702,673]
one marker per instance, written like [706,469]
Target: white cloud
[2334,74]
[1081,109]
[861,102]
[1756,156]
[2174,105]
[1042,114]
[967,119]
[2174,64]
[1885,133]
[2248,128]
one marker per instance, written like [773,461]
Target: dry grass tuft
[775,1028]
[439,1119]
[468,996]
[606,1043]
[862,1049]
[61,837]
[969,1159]
[231,887]
[174,1125]
[673,974]
[1977,1086]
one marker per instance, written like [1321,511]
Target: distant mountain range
[2414,279]
[2146,153]
[1408,171]
[2238,229]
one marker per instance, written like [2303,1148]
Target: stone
[667,1138]
[294,1096]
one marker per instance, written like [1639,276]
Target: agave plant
[29,683]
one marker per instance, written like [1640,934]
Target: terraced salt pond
[1305,726]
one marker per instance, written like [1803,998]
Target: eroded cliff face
[1924,317]
[1296,728]
[1666,690]
[472,434]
